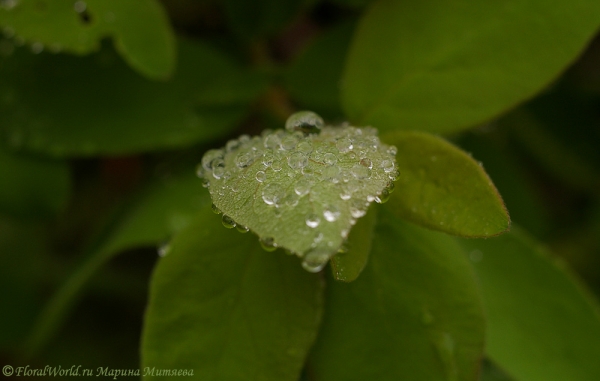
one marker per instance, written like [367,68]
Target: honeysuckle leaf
[414,313]
[441,187]
[443,66]
[302,188]
[541,323]
[222,306]
[140,29]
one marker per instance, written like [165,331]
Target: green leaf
[347,265]
[414,313]
[441,187]
[298,190]
[105,108]
[251,19]
[222,306]
[162,209]
[541,324]
[32,186]
[140,29]
[313,79]
[450,65]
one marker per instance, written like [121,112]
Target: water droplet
[272,141]
[329,159]
[394,175]
[215,209]
[392,150]
[298,160]
[164,249]
[315,260]
[305,147]
[387,165]
[267,158]
[272,194]
[205,183]
[209,157]
[268,244]
[8,4]
[80,6]
[476,256]
[302,187]
[360,172]
[289,143]
[304,121]
[277,165]
[383,197]
[331,213]
[366,162]
[261,176]
[242,228]
[344,145]
[232,145]
[312,220]
[228,222]
[37,47]
[244,159]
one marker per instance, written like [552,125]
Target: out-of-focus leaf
[163,209]
[516,188]
[140,29]
[222,306]
[347,265]
[251,19]
[21,268]
[444,66]
[541,324]
[313,79]
[94,105]
[562,130]
[413,314]
[443,188]
[31,186]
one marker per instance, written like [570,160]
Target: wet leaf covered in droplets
[301,188]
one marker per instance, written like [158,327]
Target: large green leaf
[443,66]
[541,324]
[413,314]
[227,309]
[140,29]
[32,186]
[443,188]
[92,105]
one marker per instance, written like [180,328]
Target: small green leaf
[222,306]
[313,79]
[443,188]
[347,265]
[140,29]
[103,107]
[443,66]
[541,324]
[300,190]
[31,186]
[414,313]
[163,209]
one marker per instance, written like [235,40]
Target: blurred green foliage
[106,107]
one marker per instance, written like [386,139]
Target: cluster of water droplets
[309,179]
